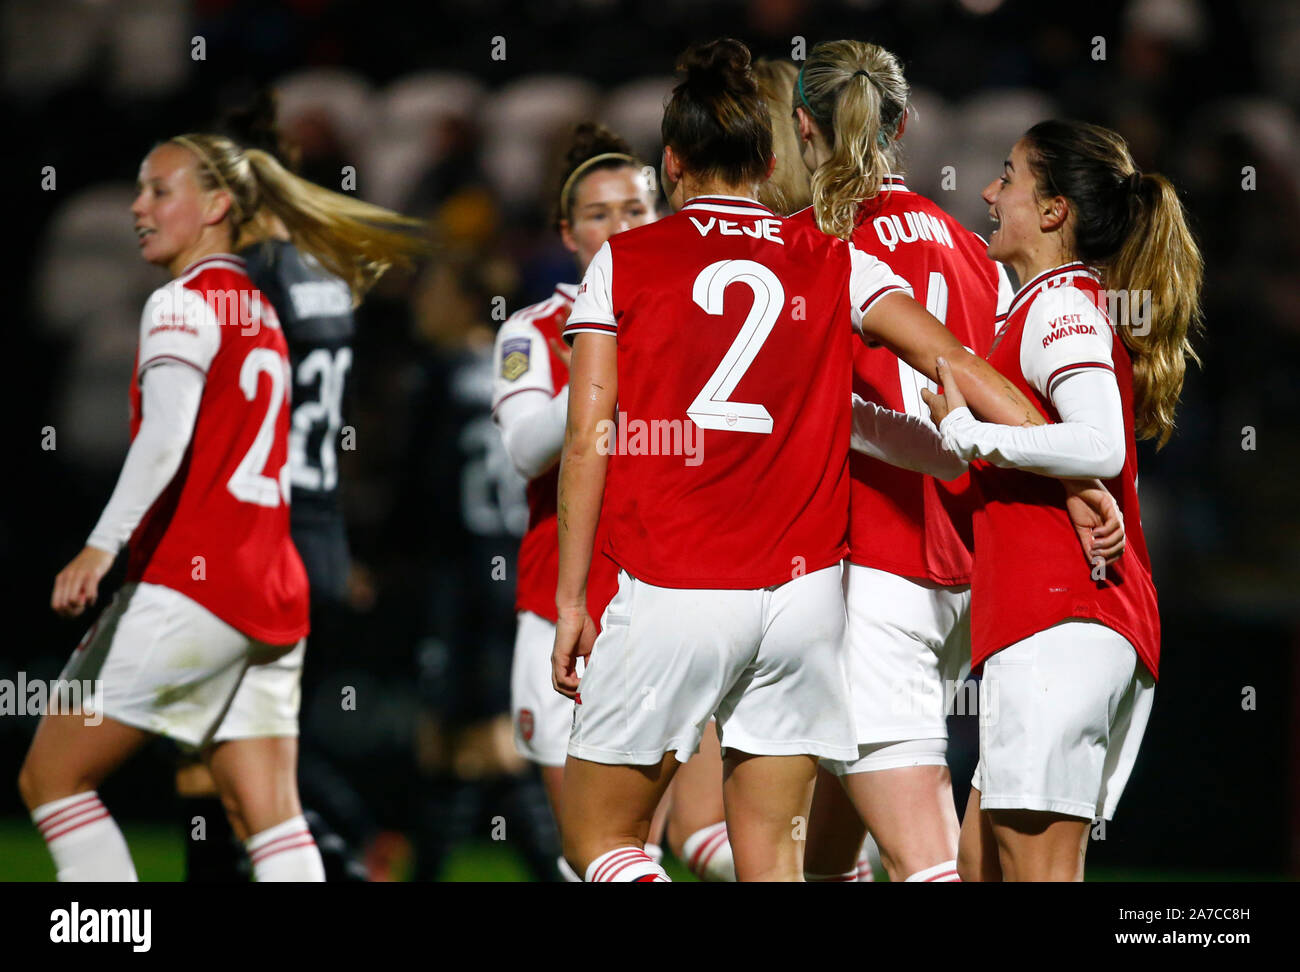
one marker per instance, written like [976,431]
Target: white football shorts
[542,716]
[1062,715]
[769,663]
[164,663]
[908,653]
[267,700]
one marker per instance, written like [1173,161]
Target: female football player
[1070,655]
[315,310]
[908,579]
[697,832]
[728,501]
[604,190]
[214,583]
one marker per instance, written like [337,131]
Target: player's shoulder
[649,237]
[802,225]
[185,302]
[1065,306]
[801,234]
[218,272]
[1063,292]
[542,317]
[803,217]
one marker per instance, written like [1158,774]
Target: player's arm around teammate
[908,585]
[613,779]
[711,578]
[1076,679]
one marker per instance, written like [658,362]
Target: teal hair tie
[803,97]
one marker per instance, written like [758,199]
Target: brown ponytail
[715,120]
[1132,227]
[857,95]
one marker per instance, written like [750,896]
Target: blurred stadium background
[437,127]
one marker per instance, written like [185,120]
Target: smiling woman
[1074,654]
[214,583]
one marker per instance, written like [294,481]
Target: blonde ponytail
[856,94]
[352,239]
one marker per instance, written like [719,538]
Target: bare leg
[977,851]
[910,813]
[659,822]
[835,830]
[1034,845]
[258,781]
[607,807]
[768,799]
[196,782]
[68,757]
[553,780]
[697,793]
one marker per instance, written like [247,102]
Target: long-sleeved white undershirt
[532,428]
[1088,441]
[170,393]
[902,440]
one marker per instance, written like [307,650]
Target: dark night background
[1200,90]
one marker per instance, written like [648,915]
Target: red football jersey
[524,361]
[219,532]
[901,521]
[734,372]
[1030,573]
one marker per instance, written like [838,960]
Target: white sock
[625,864]
[84,840]
[940,873]
[708,854]
[566,871]
[285,852]
[655,853]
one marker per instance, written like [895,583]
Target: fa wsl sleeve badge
[514,357]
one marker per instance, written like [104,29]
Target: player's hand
[561,350]
[78,583]
[575,633]
[941,403]
[1097,519]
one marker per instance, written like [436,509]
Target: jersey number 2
[249,483]
[712,408]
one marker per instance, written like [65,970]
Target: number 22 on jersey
[249,483]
